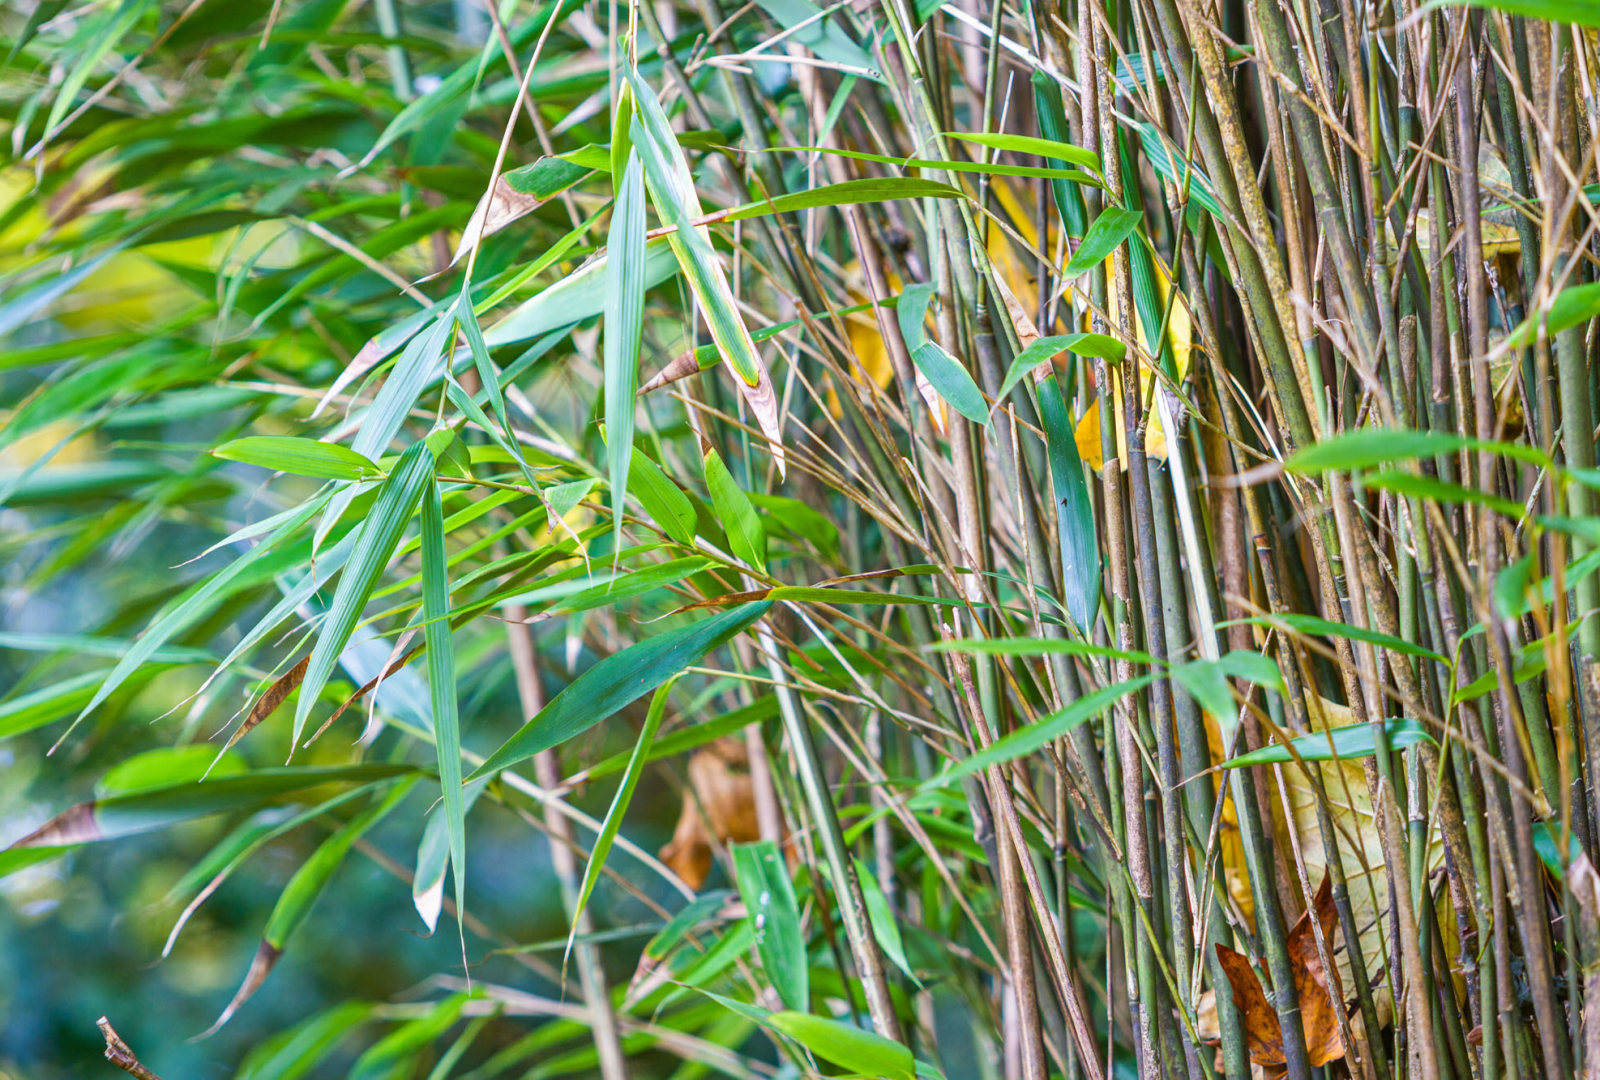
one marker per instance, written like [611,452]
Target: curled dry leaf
[275,695]
[1319,1002]
[719,802]
[261,966]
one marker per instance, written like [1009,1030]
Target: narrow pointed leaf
[303,457]
[746,535]
[768,894]
[618,680]
[619,803]
[442,683]
[1114,225]
[624,325]
[1353,741]
[379,536]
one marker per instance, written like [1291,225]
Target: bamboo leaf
[619,803]
[768,894]
[1114,225]
[1580,12]
[952,381]
[1075,525]
[303,457]
[849,1047]
[667,506]
[1207,681]
[301,893]
[442,683]
[1311,624]
[616,681]
[672,193]
[624,324]
[1033,737]
[746,536]
[119,816]
[379,536]
[1369,447]
[885,928]
[1028,144]
[1347,743]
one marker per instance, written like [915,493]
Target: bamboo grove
[1089,505]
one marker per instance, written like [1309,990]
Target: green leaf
[188,608]
[616,681]
[1046,348]
[952,381]
[1581,12]
[1029,646]
[117,816]
[301,893]
[1114,225]
[875,189]
[1429,487]
[1576,304]
[1352,741]
[1028,144]
[1079,541]
[1311,624]
[292,1054]
[303,457]
[768,894]
[1367,447]
[165,766]
[623,328]
[672,192]
[885,928]
[864,1052]
[746,536]
[989,168]
[912,310]
[379,536]
[1207,680]
[666,504]
[578,296]
[1035,736]
[619,803]
[433,857]
[442,683]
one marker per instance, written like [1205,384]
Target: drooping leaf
[301,893]
[1207,680]
[885,928]
[1075,524]
[673,195]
